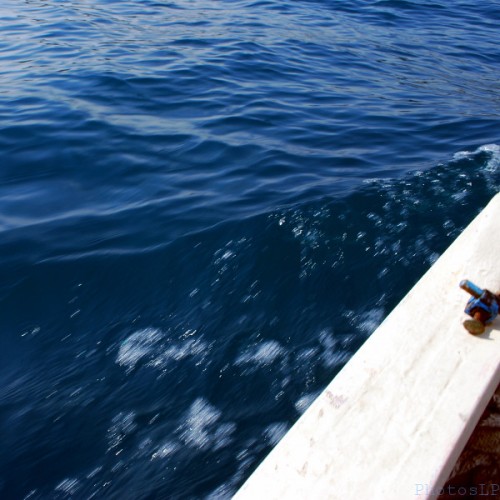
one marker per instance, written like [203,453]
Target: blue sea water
[206,207]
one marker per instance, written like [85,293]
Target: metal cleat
[482,307]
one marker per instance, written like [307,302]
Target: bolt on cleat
[474,326]
[482,307]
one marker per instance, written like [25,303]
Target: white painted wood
[393,422]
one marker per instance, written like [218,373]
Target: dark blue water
[206,208]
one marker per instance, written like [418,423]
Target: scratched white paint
[393,422]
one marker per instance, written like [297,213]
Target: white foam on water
[245,459]
[331,355]
[332,358]
[225,258]
[69,486]
[94,472]
[493,150]
[494,162]
[167,449]
[223,492]
[190,348]
[274,432]
[326,339]
[144,448]
[122,425]
[152,347]
[370,320]
[201,428]
[138,346]
[303,403]
[223,435]
[262,354]
[335,349]
[306,355]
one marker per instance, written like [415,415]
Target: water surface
[206,208]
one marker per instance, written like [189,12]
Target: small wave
[492,150]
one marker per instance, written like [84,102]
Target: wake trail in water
[203,352]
